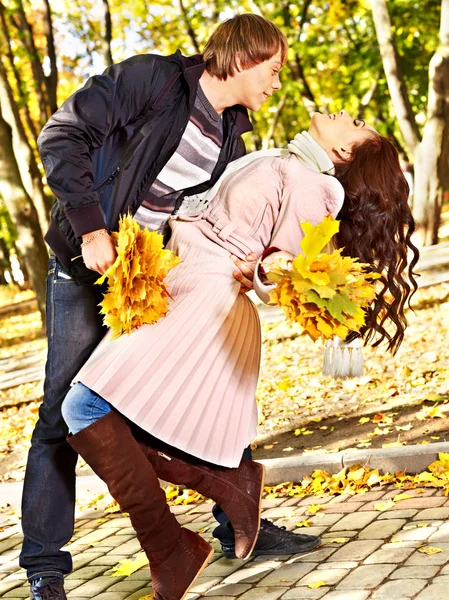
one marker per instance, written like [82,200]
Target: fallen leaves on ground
[127,567]
[430,550]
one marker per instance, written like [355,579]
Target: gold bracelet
[94,237]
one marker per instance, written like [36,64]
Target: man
[141,137]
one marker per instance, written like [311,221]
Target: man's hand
[245,274]
[100,253]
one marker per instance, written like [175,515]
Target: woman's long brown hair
[376,225]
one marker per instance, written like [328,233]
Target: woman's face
[337,133]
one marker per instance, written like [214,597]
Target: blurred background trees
[386,62]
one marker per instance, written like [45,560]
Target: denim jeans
[82,407]
[74,329]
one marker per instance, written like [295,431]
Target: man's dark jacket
[107,143]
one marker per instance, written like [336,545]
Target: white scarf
[303,146]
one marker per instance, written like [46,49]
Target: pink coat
[191,378]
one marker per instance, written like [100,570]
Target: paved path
[370,564]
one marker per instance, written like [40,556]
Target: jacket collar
[193,67]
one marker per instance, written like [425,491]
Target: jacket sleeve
[105,103]
[306,200]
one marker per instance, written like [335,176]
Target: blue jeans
[74,329]
[82,407]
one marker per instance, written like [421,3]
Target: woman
[190,379]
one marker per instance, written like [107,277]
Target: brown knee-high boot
[238,491]
[177,556]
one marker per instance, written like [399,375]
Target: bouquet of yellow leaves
[136,294]
[325,293]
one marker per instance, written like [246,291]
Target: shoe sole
[205,563]
[260,512]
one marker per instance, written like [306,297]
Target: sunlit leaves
[127,567]
[136,294]
[325,293]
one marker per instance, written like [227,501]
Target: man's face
[257,84]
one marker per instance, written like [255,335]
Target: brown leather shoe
[237,491]
[177,556]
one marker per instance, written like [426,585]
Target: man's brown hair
[252,37]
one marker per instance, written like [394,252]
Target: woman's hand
[245,274]
[274,256]
[100,253]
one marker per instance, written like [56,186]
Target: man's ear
[238,63]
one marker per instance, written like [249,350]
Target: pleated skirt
[190,379]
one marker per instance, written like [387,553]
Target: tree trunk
[26,34]
[107,52]
[270,134]
[432,155]
[189,27]
[25,157]
[21,210]
[52,80]
[23,97]
[395,81]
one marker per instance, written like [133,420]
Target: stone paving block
[72,584]
[8,544]
[416,535]
[229,589]
[316,555]
[203,584]
[112,596]
[350,507]
[305,593]
[118,523]
[398,514]
[292,502]
[126,548]
[399,589]
[273,502]
[87,573]
[443,579]
[355,521]
[6,586]
[339,534]
[416,493]
[20,592]
[434,592]
[346,595]
[357,550]
[381,529]
[126,585]
[223,567]
[308,530]
[329,576]
[203,508]
[392,555]
[108,561]
[322,519]
[84,558]
[253,573]
[92,538]
[440,536]
[338,565]
[416,572]
[431,513]
[91,588]
[144,591]
[264,593]
[365,577]
[288,574]
[280,511]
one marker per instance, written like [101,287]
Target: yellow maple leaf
[137,293]
[127,567]
[338,541]
[430,550]
[314,508]
[306,523]
[383,506]
[364,420]
[400,497]
[318,584]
